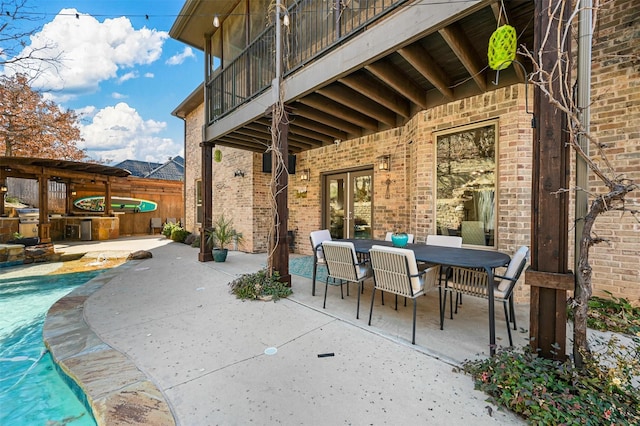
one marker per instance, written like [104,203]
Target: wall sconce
[3,188]
[216,21]
[74,193]
[305,174]
[238,173]
[384,163]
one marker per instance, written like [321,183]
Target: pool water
[31,390]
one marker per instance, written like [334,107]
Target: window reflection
[466,184]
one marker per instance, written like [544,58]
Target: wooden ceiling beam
[326,133]
[330,107]
[399,82]
[347,128]
[420,59]
[379,93]
[463,49]
[354,100]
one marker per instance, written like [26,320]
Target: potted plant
[221,234]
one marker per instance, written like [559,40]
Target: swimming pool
[31,390]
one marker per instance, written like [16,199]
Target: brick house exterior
[404,198]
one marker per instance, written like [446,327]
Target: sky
[119,70]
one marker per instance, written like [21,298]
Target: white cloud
[127,76]
[91,51]
[116,95]
[149,75]
[179,58]
[118,133]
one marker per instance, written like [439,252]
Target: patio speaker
[266,163]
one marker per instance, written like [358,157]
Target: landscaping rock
[140,254]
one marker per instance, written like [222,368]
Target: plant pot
[399,239]
[26,241]
[219,255]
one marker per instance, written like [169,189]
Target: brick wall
[615,121]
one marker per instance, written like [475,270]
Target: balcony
[315,28]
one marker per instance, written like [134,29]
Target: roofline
[191,102]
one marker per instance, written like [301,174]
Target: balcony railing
[315,27]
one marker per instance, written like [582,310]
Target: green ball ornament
[502,47]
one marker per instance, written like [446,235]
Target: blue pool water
[31,390]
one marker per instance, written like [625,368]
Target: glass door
[348,209]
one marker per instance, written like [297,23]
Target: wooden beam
[362,82]
[358,102]
[344,126]
[398,81]
[330,107]
[206,161]
[325,133]
[549,228]
[420,59]
[461,46]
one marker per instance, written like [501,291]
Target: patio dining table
[452,256]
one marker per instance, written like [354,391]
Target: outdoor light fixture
[216,21]
[305,174]
[384,163]
[238,173]
[74,193]
[3,188]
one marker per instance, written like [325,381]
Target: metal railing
[315,27]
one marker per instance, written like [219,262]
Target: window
[466,183]
[199,208]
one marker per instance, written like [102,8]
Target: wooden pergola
[69,172]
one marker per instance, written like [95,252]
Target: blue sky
[120,71]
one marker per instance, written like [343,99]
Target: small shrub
[259,284]
[168,228]
[612,314]
[196,241]
[549,392]
[179,234]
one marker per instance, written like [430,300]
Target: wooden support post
[281,182]
[548,274]
[205,254]
[44,227]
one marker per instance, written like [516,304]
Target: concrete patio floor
[162,341]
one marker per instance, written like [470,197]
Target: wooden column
[548,274]
[44,227]
[281,182]
[206,151]
[108,211]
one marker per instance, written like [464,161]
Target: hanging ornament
[502,47]
[217,156]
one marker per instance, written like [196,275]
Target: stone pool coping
[115,390]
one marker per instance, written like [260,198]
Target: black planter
[219,255]
[27,242]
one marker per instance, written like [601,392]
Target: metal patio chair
[344,267]
[317,238]
[395,271]
[474,282]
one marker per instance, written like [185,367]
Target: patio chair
[395,271]
[317,238]
[474,283]
[171,220]
[473,233]
[344,267]
[445,241]
[156,223]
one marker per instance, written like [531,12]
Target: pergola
[69,172]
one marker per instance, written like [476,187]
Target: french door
[347,208]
